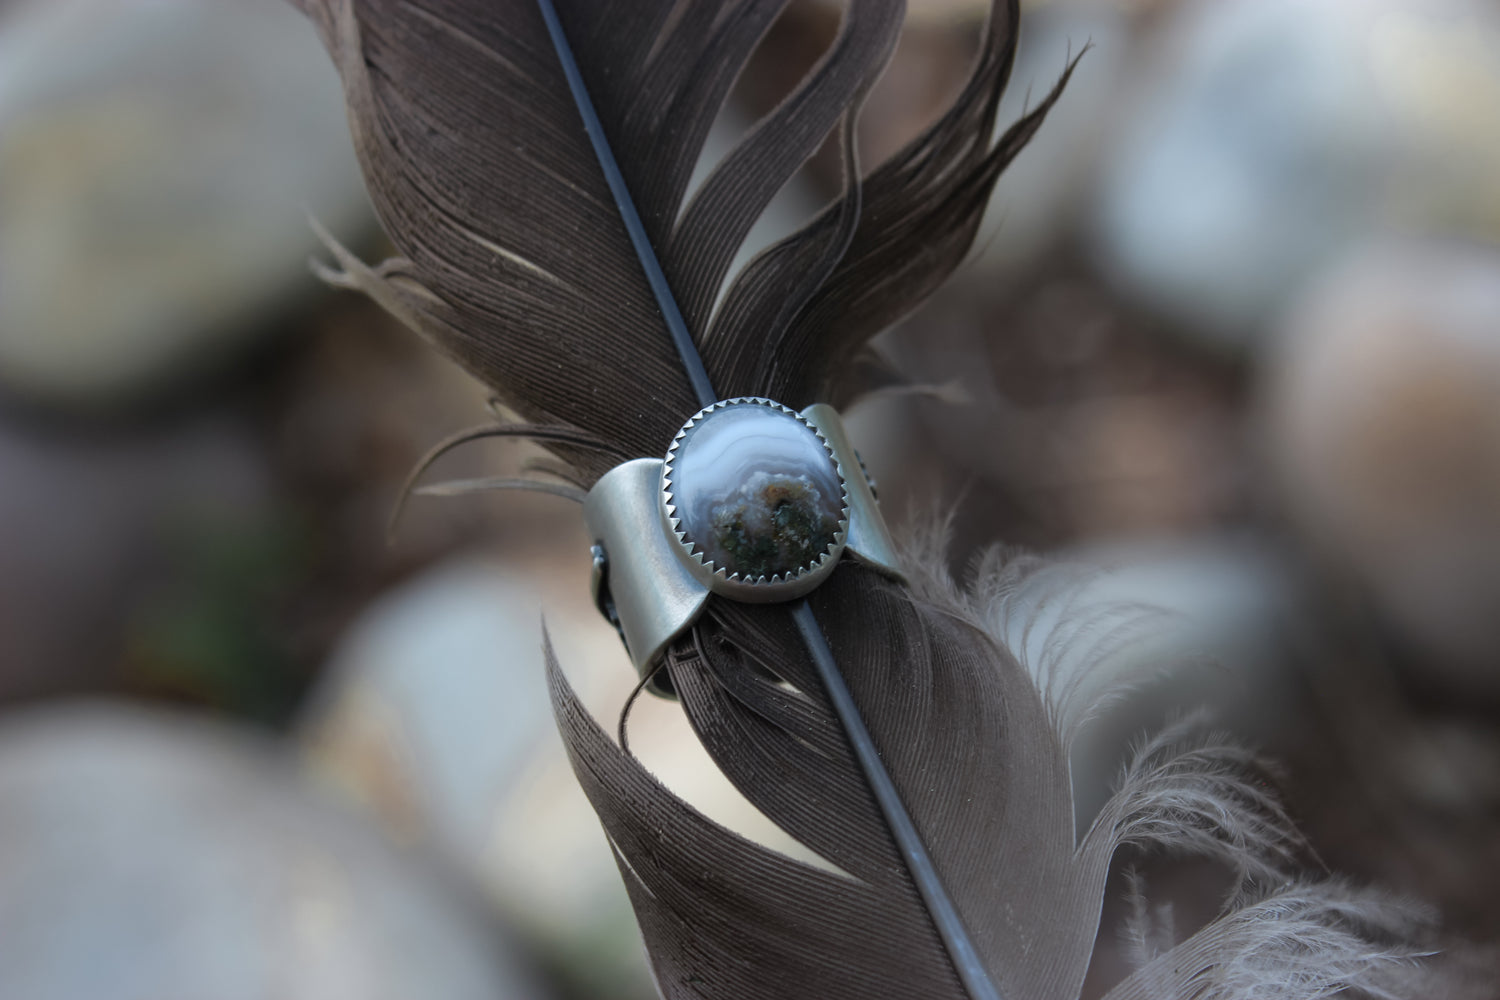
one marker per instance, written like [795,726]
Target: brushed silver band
[645,585]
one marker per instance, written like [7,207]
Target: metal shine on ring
[754,501]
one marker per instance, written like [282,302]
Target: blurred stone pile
[159,158]
[1230,346]
[145,854]
[199,449]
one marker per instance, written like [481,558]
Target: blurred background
[1230,345]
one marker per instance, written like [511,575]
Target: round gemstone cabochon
[756,490]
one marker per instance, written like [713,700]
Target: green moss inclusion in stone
[773,524]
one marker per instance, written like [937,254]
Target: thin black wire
[950,928]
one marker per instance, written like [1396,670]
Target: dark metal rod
[950,928]
[676,325]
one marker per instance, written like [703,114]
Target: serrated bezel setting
[781,586]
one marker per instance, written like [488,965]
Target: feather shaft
[950,926]
[682,338]
[955,936]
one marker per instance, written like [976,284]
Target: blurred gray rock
[147,855]
[434,714]
[159,158]
[1274,134]
[445,672]
[1381,411]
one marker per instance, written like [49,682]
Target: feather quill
[515,261]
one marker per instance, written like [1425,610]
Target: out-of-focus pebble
[1382,414]
[144,854]
[436,700]
[1275,134]
[159,159]
[435,714]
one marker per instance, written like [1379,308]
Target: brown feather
[515,262]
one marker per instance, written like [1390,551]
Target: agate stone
[756,492]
